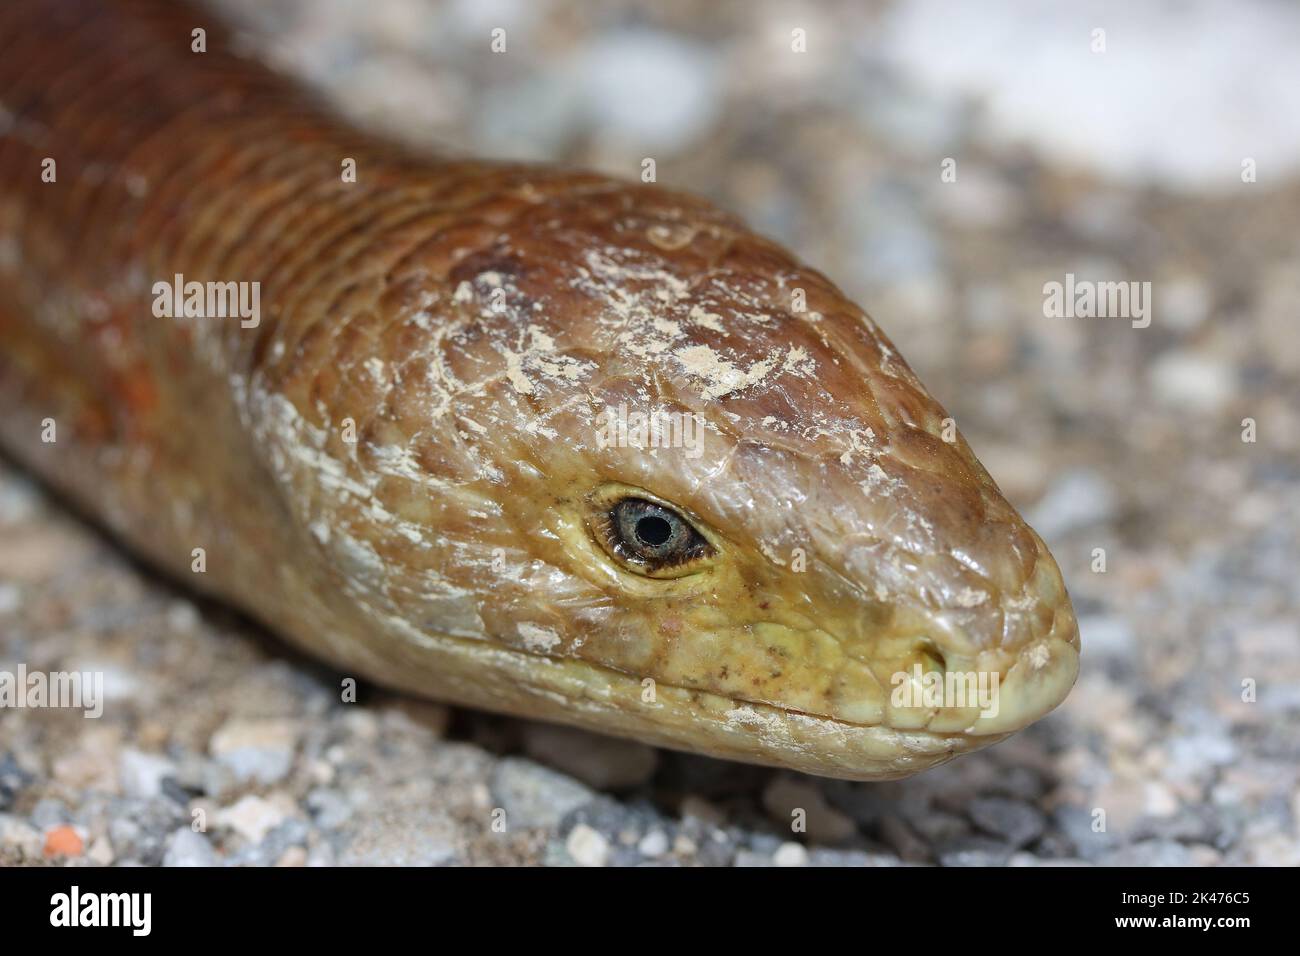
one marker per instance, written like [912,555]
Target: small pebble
[790,802]
[329,808]
[20,838]
[790,854]
[1017,822]
[63,841]
[586,846]
[974,851]
[654,844]
[257,751]
[1075,499]
[694,807]
[10,598]
[142,774]
[187,848]
[606,763]
[100,852]
[533,795]
[1159,853]
[1198,383]
[253,817]
[293,856]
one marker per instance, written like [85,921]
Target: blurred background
[1155,142]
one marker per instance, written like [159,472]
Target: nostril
[931,657]
[934,654]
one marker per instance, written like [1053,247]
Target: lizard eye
[650,538]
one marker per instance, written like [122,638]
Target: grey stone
[256,751]
[187,848]
[1017,822]
[936,826]
[1191,824]
[974,851]
[20,837]
[142,774]
[863,802]
[1024,783]
[139,829]
[535,796]
[12,780]
[903,839]
[1107,636]
[823,856]
[1150,853]
[598,761]
[1075,823]
[49,812]
[1076,499]
[648,86]
[330,809]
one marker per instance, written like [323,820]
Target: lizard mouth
[602,699]
[1039,679]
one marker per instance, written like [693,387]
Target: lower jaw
[492,677]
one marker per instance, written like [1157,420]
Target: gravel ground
[217,745]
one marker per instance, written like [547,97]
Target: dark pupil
[653,531]
[651,535]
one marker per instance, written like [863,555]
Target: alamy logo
[935,689]
[208,300]
[658,429]
[1085,299]
[72,690]
[75,908]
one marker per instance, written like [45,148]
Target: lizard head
[654,477]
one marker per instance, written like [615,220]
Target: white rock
[586,846]
[1115,110]
[19,835]
[1107,636]
[100,852]
[653,845]
[254,817]
[1075,499]
[182,616]
[256,750]
[187,848]
[535,796]
[120,684]
[141,774]
[1197,383]
[648,88]
[10,598]
[790,854]
[1159,800]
